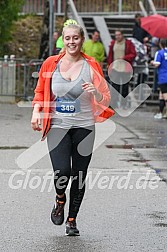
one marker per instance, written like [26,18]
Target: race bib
[67,107]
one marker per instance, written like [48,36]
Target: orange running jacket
[44,97]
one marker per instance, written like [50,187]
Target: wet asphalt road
[112,218]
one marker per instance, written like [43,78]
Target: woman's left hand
[89,87]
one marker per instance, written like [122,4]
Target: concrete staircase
[124,23]
[89,24]
[112,23]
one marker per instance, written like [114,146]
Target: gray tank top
[72,104]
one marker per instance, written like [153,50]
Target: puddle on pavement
[130,146]
[157,215]
[13,147]
[134,138]
[136,160]
[161,225]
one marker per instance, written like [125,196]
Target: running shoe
[57,214]
[158,116]
[71,228]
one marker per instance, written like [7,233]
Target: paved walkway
[124,208]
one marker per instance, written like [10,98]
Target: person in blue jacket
[160,61]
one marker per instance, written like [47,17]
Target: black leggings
[70,152]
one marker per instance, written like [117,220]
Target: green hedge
[8,13]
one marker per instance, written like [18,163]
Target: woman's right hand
[36,120]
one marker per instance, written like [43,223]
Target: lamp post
[51,25]
[46,43]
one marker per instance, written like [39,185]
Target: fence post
[58,10]
[5,75]
[1,76]
[12,77]
[120,7]
[8,78]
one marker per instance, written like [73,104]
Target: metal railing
[17,78]
[94,6]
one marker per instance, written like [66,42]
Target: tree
[8,13]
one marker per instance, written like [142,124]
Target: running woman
[73,95]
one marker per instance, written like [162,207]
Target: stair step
[126,35]
[124,29]
[88,22]
[87,19]
[119,20]
[120,26]
[119,23]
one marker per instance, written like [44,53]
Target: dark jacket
[130,52]
[139,33]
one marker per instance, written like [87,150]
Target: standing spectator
[120,48]
[59,45]
[160,61]
[154,46]
[141,61]
[94,48]
[55,38]
[138,32]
